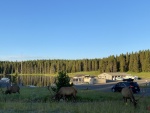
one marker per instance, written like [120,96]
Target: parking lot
[106,87]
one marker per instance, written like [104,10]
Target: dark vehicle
[133,85]
[128,80]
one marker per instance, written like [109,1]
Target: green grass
[144,75]
[38,100]
[92,73]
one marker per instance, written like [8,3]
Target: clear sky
[72,29]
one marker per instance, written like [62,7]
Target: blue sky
[72,29]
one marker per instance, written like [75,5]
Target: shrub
[62,80]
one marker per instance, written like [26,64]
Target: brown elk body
[65,92]
[128,94]
[12,89]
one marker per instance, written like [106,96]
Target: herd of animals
[66,92]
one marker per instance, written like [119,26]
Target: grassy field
[38,100]
[92,73]
[96,73]
[144,75]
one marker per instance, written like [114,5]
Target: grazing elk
[127,93]
[65,92]
[12,89]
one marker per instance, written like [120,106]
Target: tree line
[135,62]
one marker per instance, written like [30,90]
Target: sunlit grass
[92,73]
[38,100]
[143,75]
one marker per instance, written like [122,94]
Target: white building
[111,76]
[82,79]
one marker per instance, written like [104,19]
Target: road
[106,87]
[103,87]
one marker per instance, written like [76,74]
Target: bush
[62,80]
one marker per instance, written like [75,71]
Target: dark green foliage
[135,62]
[62,80]
[122,63]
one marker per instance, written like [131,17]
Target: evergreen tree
[136,63]
[110,64]
[85,67]
[96,64]
[122,63]
[90,65]
[114,65]
[127,61]
[102,67]
[147,61]
[131,62]
[142,60]
[62,80]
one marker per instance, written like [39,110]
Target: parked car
[133,85]
[119,78]
[4,82]
[5,79]
[128,80]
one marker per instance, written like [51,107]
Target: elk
[12,89]
[65,92]
[127,93]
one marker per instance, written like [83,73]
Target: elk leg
[130,100]
[125,100]
[64,98]
[74,97]
[60,97]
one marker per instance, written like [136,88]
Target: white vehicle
[119,78]
[129,76]
[5,79]
[136,77]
